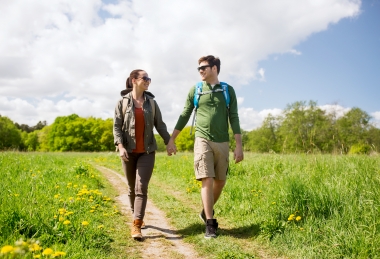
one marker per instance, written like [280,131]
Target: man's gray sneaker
[202,215]
[211,228]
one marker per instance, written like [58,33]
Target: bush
[360,149]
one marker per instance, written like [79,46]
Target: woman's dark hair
[133,74]
[212,61]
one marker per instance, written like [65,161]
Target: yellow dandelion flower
[34,247]
[48,251]
[291,217]
[298,218]
[61,219]
[6,249]
[55,216]
[66,222]
[56,254]
[36,256]
[85,223]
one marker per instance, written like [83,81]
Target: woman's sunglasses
[146,79]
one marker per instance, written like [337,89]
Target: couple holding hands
[136,114]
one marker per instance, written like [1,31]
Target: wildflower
[34,247]
[69,213]
[56,254]
[85,223]
[55,216]
[56,196]
[298,218]
[291,217]
[62,211]
[66,222]
[61,218]
[6,249]
[36,256]
[48,251]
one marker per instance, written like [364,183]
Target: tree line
[302,127]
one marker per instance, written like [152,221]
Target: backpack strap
[197,94]
[226,93]
[125,104]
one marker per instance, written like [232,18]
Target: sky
[59,57]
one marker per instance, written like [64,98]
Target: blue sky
[340,65]
[63,57]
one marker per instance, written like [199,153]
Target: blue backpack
[198,92]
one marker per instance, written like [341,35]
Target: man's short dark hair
[212,61]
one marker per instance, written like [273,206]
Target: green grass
[59,201]
[335,201]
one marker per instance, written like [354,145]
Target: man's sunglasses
[203,67]
[146,79]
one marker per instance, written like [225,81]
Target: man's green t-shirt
[212,114]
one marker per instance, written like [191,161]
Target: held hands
[238,154]
[171,148]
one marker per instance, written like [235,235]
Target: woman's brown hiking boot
[136,229]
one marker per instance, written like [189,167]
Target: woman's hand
[123,153]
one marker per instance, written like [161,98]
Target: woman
[136,114]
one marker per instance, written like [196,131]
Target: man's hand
[238,154]
[171,148]
[123,153]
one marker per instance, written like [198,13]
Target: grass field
[300,206]
[295,206]
[57,205]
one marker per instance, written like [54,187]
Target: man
[211,147]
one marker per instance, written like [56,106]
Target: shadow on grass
[244,232]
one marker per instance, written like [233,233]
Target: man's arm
[238,153]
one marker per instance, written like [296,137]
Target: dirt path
[160,239]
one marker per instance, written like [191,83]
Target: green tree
[160,143]
[353,128]
[265,138]
[304,128]
[185,141]
[10,136]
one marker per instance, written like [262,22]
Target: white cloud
[295,52]
[56,48]
[251,119]
[335,109]
[261,72]
[376,118]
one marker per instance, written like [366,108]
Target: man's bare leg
[207,194]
